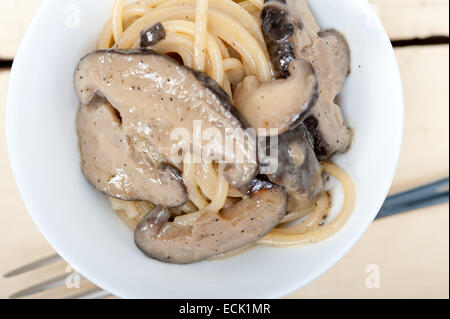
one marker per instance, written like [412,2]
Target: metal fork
[424,196]
[55,282]
[420,197]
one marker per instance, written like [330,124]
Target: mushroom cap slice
[291,32]
[283,103]
[298,171]
[278,27]
[211,234]
[152,35]
[122,166]
[331,55]
[279,104]
[156,97]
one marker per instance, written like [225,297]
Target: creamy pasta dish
[211,124]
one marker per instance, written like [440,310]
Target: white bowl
[78,221]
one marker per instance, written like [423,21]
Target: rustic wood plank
[406,19]
[410,251]
[403,19]
[425,150]
[14,18]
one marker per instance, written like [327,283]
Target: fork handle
[420,197]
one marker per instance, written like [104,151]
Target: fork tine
[46,285]
[95,293]
[34,265]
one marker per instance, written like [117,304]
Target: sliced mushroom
[279,104]
[155,96]
[211,234]
[291,32]
[124,166]
[331,55]
[283,103]
[298,169]
[152,35]
[278,26]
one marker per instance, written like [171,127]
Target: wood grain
[425,150]
[407,19]
[411,252]
[14,18]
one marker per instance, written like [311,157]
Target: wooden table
[411,250]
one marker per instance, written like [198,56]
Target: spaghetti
[222,38]
[308,232]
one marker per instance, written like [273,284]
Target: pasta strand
[201,23]
[117,19]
